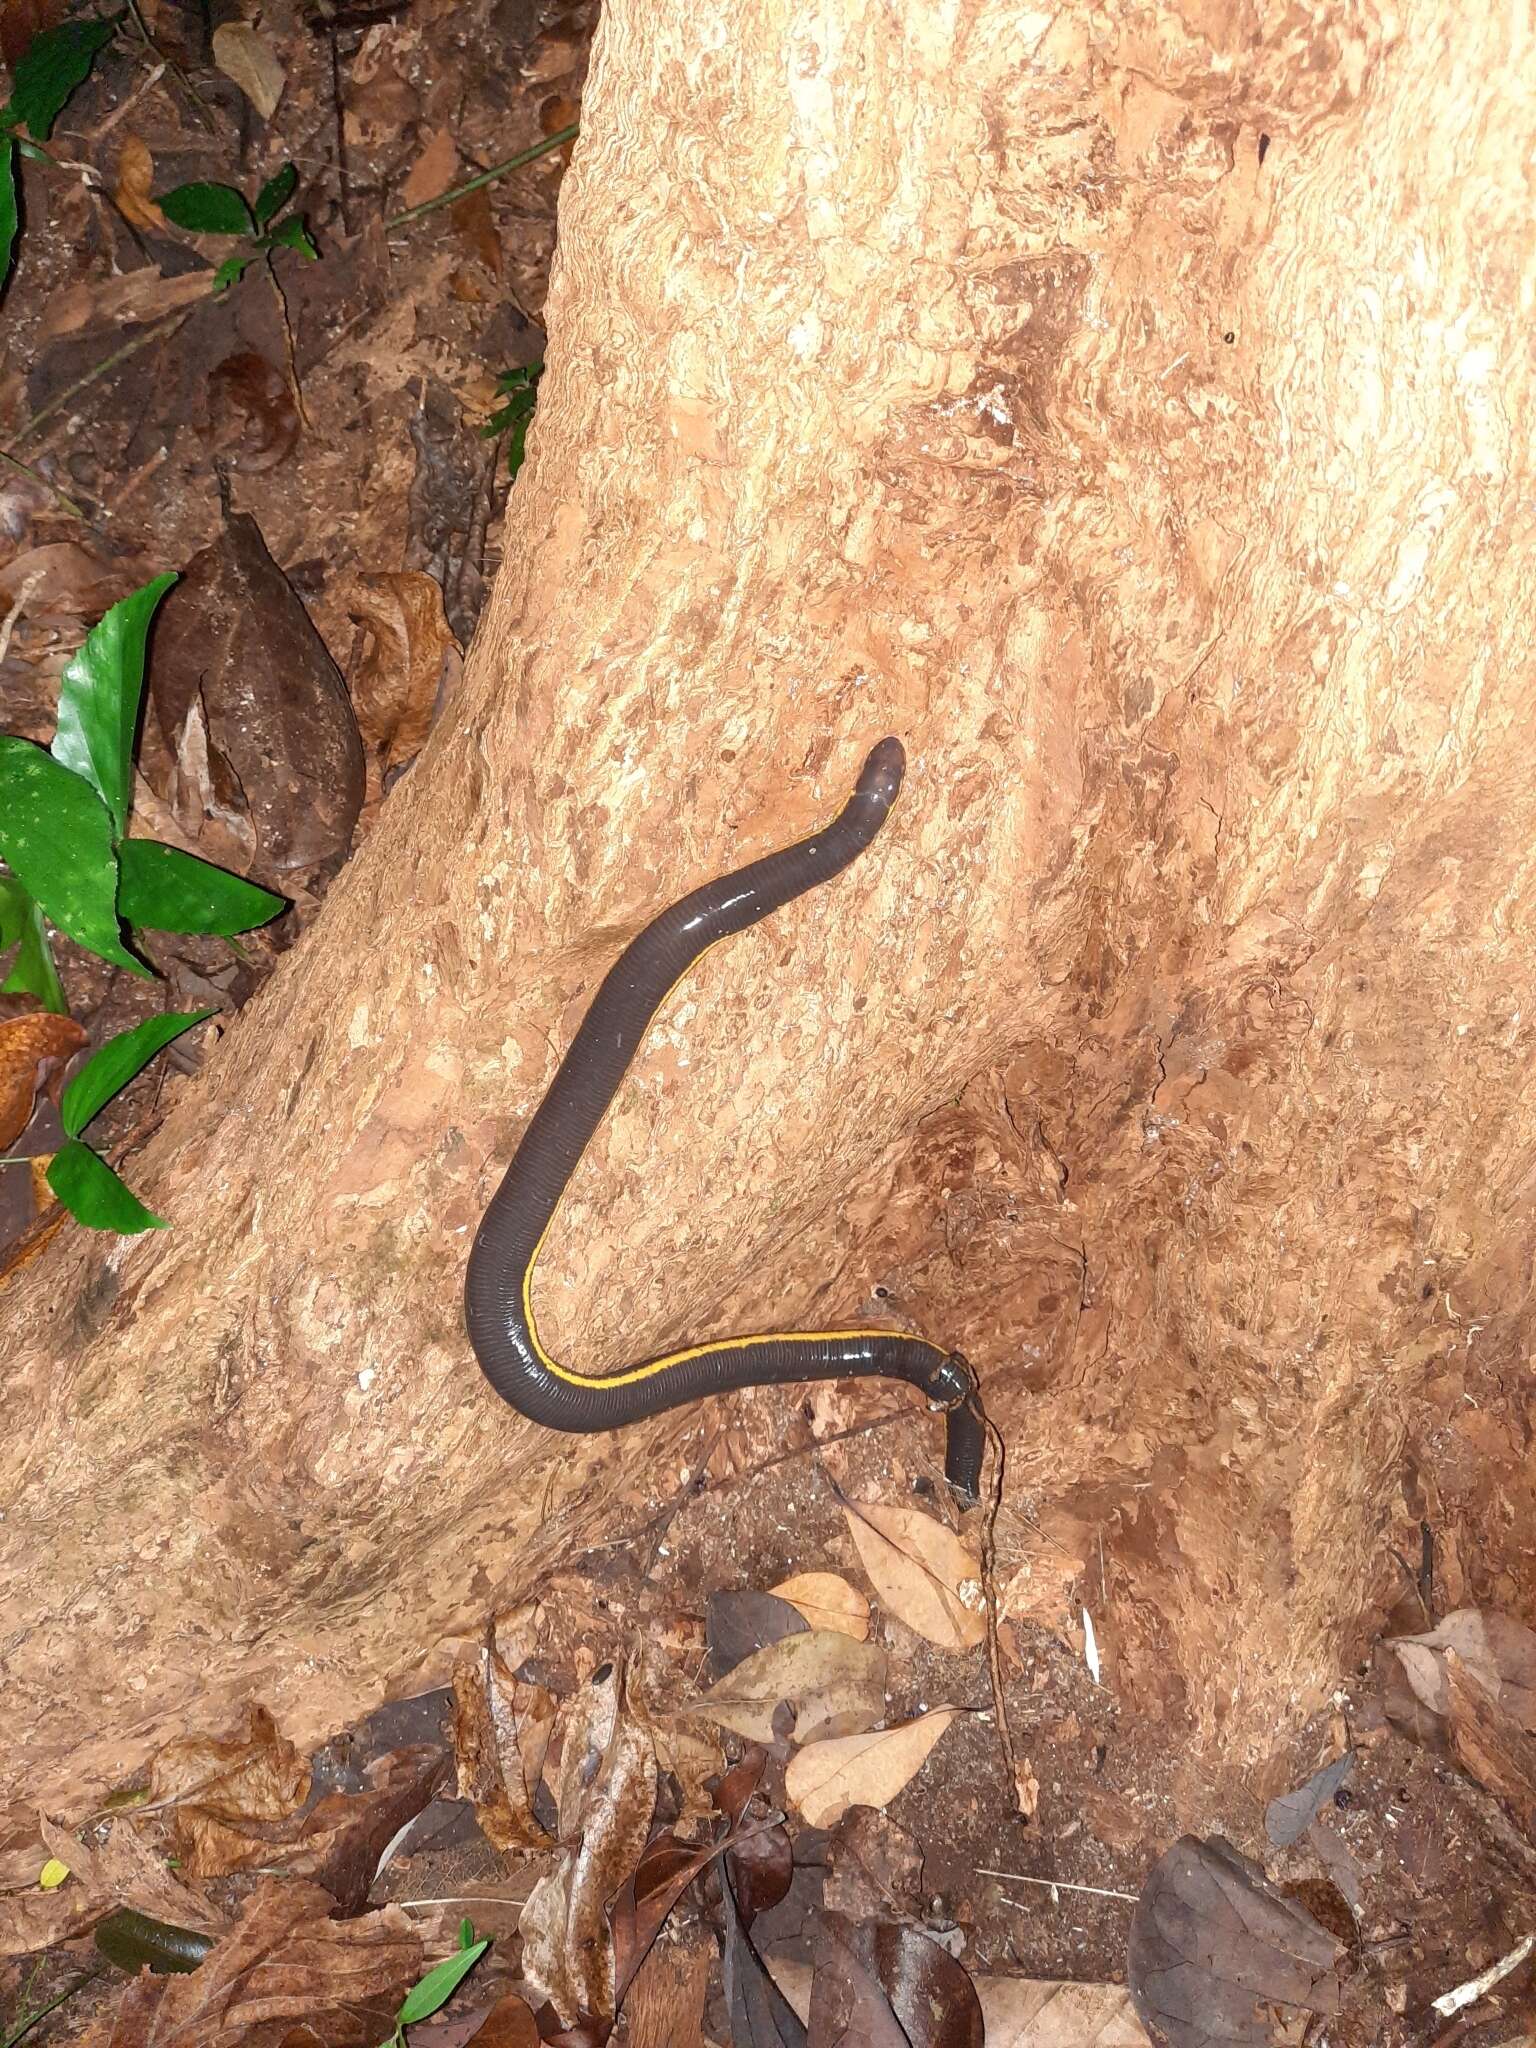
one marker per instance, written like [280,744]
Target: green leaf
[56,837]
[466,1933]
[91,1191]
[50,68]
[114,1066]
[7,207]
[439,1985]
[275,194]
[99,700]
[229,272]
[32,972]
[204,209]
[165,890]
[294,235]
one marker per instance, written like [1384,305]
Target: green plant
[439,1985]
[63,825]
[519,389]
[212,209]
[46,73]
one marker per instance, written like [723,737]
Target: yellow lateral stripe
[718,1344]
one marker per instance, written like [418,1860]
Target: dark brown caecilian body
[498,1287]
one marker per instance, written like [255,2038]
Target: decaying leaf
[1490,1744]
[253,421]
[133,193]
[689,1752]
[121,1871]
[244,54]
[664,2007]
[1024,2012]
[802,1688]
[761,2016]
[827,1601]
[1497,1651]
[253,1776]
[606,1794]
[739,1624]
[760,1862]
[501,1730]
[881,1985]
[35,1050]
[126,300]
[410,643]
[826,1778]
[286,1972]
[924,1573]
[60,580]
[1287,1818]
[1214,1947]
[874,1869]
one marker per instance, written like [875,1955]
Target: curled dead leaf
[410,643]
[826,1778]
[1496,1651]
[803,1687]
[923,1572]
[133,193]
[255,1775]
[501,1732]
[827,1601]
[35,1051]
[1214,1947]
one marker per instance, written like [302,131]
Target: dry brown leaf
[123,1870]
[395,689]
[60,578]
[501,1730]
[693,1755]
[1490,1744]
[1496,1650]
[434,170]
[826,1778]
[801,1688]
[923,1572]
[136,296]
[883,1985]
[243,54]
[255,1775]
[827,1601]
[34,1052]
[133,195]
[1023,2012]
[606,1793]
[285,1973]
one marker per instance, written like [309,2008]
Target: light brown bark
[962,372]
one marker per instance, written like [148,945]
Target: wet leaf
[163,889]
[880,1985]
[923,1572]
[9,219]
[245,55]
[95,1195]
[1287,1818]
[110,1069]
[738,1624]
[56,836]
[1214,1948]
[606,1797]
[34,1051]
[286,1972]
[203,208]
[32,971]
[827,1601]
[826,1778]
[761,2016]
[830,1685]
[99,700]
[134,1942]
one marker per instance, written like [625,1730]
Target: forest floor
[808,1724]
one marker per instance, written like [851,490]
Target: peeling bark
[1130,407]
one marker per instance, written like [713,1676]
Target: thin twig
[1054,1884]
[163,330]
[513,163]
[16,611]
[204,111]
[52,488]
[989,1594]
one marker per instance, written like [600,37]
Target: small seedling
[519,391]
[47,72]
[67,859]
[213,209]
[439,1985]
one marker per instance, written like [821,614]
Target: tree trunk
[1129,408]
